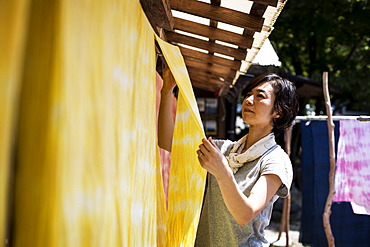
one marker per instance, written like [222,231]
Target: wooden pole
[285,217]
[282,221]
[327,210]
[288,140]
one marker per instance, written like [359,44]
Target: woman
[245,177]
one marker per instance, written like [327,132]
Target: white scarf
[237,159]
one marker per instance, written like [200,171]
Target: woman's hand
[212,159]
[242,208]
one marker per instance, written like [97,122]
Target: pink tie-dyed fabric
[352,177]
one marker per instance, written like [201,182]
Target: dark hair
[286,99]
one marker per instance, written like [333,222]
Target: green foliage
[314,36]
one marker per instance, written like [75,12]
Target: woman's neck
[256,134]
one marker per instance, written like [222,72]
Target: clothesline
[335,118]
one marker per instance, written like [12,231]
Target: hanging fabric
[78,102]
[86,171]
[187,177]
[14,17]
[349,229]
[352,178]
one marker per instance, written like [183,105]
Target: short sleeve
[278,163]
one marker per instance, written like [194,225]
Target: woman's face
[258,106]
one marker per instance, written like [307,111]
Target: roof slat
[202,44]
[216,13]
[197,71]
[213,33]
[206,79]
[204,86]
[272,3]
[215,69]
[232,64]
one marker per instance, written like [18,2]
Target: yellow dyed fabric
[12,32]
[78,118]
[187,177]
[87,162]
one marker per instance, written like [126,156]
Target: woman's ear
[276,114]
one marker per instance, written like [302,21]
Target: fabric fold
[187,177]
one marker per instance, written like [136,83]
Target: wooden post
[285,217]
[288,140]
[327,210]
[282,221]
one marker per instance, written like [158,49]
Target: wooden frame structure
[218,39]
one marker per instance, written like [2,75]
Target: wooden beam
[209,58]
[158,13]
[257,9]
[209,46]
[206,79]
[216,2]
[216,13]
[212,86]
[213,23]
[197,71]
[214,33]
[272,3]
[207,87]
[215,69]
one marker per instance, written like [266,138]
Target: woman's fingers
[199,153]
[211,141]
[209,144]
[207,151]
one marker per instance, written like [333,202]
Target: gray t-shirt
[217,227]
